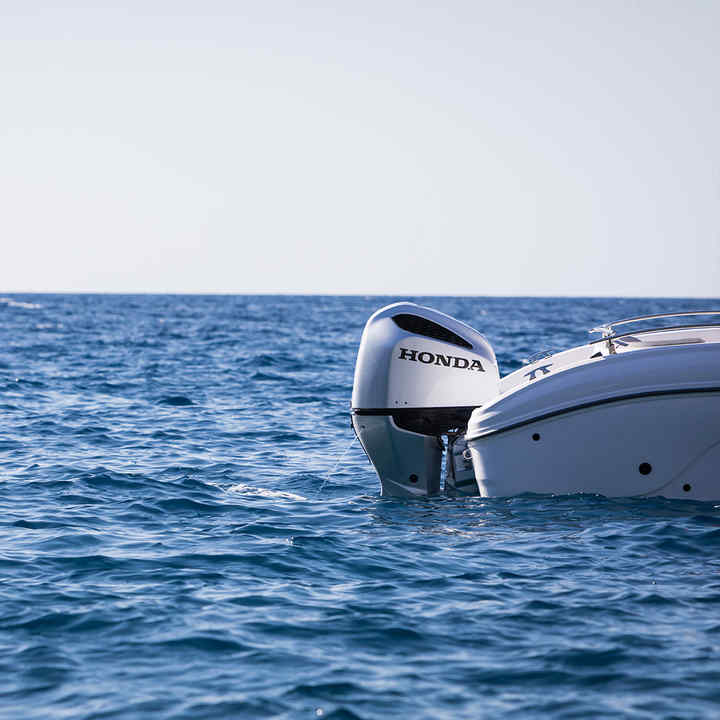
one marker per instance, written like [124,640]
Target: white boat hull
[661,445]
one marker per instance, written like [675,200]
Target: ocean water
[189,531]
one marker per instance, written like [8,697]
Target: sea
[190,530]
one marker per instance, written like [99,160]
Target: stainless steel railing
[609,335]
[607,329]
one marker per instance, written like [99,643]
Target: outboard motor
[419,375]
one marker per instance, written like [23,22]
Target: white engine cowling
[419,373]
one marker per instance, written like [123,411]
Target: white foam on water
[17,304]
[264,492]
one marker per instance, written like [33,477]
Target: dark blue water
[175,545]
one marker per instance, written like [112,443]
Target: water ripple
[188,531]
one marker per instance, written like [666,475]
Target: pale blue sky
[552,148]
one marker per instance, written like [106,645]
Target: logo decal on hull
[544,369]
[428,358]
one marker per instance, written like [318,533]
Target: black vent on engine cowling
[422,326]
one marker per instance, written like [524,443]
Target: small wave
[271,377]
[176,401]
[18,304]
[206,643]
[242,489]
[178,505]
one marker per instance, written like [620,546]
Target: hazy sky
[374,147]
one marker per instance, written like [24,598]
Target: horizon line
[286,293]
